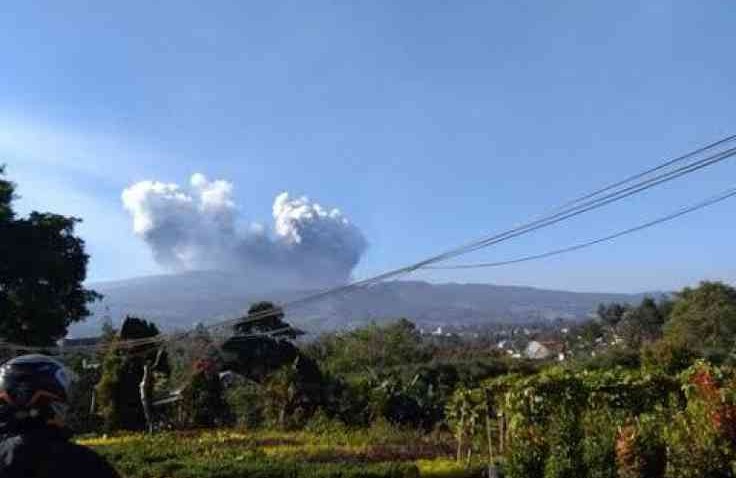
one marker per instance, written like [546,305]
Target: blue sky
[427,123]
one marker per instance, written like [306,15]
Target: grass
[380,452]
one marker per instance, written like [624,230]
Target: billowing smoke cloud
[198,228]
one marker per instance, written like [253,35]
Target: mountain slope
[180,301]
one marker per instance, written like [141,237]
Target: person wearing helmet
[34,442]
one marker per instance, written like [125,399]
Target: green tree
[80,416]
[642,324]
[292,394]
[375,347]
[186,352]
[262,343]
[7,194]
[204,396]
[667,354]
[42,269]
[704,318]
[118,391]
[587,336]
[611,314]
[110,397]
[266,318]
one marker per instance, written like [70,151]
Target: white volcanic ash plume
[195,228]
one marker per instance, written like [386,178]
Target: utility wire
[564,214]
[578,206]
[701,205]
[649,171]
[583,207]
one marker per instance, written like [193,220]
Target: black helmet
[33,388]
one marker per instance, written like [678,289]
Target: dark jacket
[48,452]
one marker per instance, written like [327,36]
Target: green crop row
[233,454]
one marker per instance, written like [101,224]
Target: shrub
[108,390]
[640,452]
[565,441]
[245,403]
[599,443]
[347,401]
[526,454]
[321,424]
[694,448]
[701,438]
[668,355]
[203,398]
[290,396]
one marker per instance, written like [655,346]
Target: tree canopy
[262,342]
[704,318]
[643,324]
[371,347]
[118,389]
[43,265]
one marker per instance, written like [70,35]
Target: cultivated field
[374,453]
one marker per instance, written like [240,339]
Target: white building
[537,350]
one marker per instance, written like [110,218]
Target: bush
[599,443]
[565,455]
[109,397]
[321,424]
[80,416]
[245,403]
[694,449]
[203,397]
[610,359]
[701,438]
[347,401]
[526,454]
[640,452]
[668,355]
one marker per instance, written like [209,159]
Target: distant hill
[180,301]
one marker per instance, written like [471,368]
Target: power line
[583,207]
[566,213]
[578,206]
[709,202]
[649,171]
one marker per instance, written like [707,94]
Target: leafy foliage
[704,318]
[81,417]
[374,347]
[640,452]
[292,394]
[701,439]
[204,398]
[600,428]
[261,344]
[388,453]
[642,324]
[42,269]
[118,391]
[670,355]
